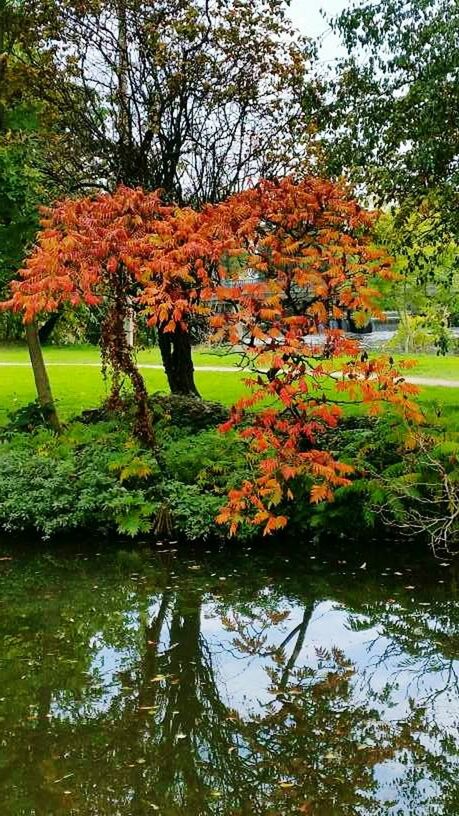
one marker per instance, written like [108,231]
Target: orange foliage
[310,244]
[284,261]
[93,251]
[81,245]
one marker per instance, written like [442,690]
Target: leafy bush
[211,460]
[99,477]
[169,411]
[188,411]
[419,333]
[376,450]
[27,418]
[86,478]
[193,510]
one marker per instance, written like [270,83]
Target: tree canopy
[198,99]
[391,119]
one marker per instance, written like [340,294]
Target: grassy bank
[428,365]
[100,478]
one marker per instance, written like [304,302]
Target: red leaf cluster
[82,243]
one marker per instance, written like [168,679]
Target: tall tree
[391,119]
[198,99]
[21,183]
[195,98]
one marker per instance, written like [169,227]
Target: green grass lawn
[428,365]
[203,356]
[77,386]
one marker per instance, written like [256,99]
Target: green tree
[426,291]
[21,181]
[391,123]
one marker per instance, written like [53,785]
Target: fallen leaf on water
[286,784]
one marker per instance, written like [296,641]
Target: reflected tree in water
[118,698]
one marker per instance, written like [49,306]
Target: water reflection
[248,684]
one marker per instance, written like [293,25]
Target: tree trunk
[45,397]
[45,331]
[175,350]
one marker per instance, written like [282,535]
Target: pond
[301,681]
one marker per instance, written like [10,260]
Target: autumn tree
[307,258]
[313,252]
[285,261]
[187,261]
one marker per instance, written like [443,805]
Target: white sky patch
[307,17]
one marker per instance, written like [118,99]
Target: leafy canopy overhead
[392,119]
[196,98]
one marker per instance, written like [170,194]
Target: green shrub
[212,460]
[87,478]
[188,412]
[99,477]
[193,511]
[25,419]
[170,411]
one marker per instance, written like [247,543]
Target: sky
[307,17]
